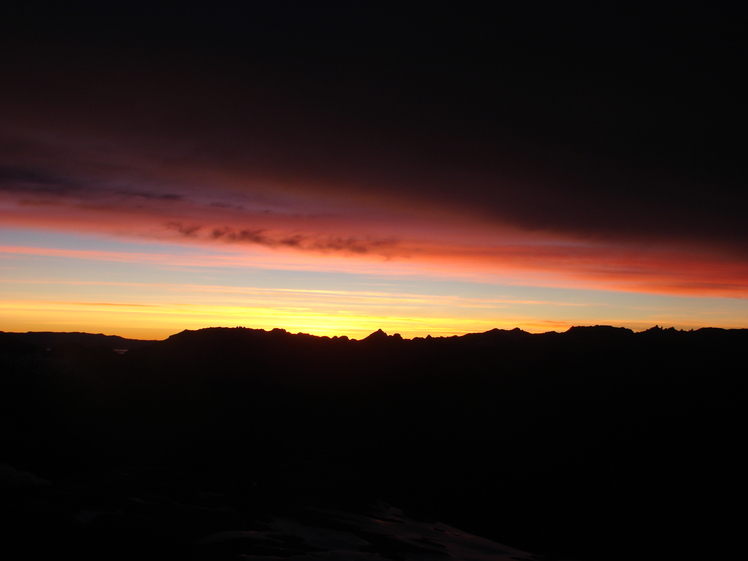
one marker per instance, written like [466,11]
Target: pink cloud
[227,205]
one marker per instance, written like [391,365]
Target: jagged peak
[378,335]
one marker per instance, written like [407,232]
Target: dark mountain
[49,340]
[597,443]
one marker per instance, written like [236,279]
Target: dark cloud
[221,204]
[354,245]
[35,181]
[89,188]
[600,123]
[168,197]
[188,231]
[250,236]
[323,244]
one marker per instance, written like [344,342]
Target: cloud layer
[494,154]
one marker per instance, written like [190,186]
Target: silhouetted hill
[597,443]
[49,340]
[12,345]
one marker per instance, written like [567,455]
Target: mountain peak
[378,335]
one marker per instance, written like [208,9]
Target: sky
[336,168]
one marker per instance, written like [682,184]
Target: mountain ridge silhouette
[595,443]
[50,339]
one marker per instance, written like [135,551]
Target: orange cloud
[282,224]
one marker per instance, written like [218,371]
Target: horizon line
[655,327]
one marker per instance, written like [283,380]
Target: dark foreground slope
[597,443]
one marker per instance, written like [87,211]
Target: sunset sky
[335,168]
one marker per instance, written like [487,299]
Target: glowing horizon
[424,195]
[142,290]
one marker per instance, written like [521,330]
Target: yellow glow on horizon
[129,320]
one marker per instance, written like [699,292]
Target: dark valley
[594,444]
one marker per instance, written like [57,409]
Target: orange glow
[384,235]
[161,321]
[664,271]
[203,221]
